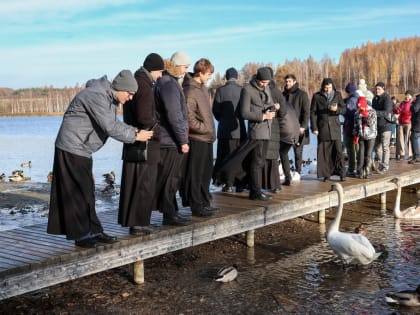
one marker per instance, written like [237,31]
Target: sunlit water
[309,281]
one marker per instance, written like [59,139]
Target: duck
[406,297]
[361,229]
[26,164]
[352,248]
[2,177]
[17,176]
[109,178]
[50,177]
[409,213]
[227,274]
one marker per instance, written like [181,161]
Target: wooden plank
[239,214]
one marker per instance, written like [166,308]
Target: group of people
[168,131]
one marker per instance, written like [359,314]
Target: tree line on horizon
[395,62]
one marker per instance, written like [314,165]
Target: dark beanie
[411,92]
[231,73]
[381,84]
[153,62]
[124,81]
[264,73]
[351,88]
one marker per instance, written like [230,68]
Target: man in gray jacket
[257,107]
[88,121]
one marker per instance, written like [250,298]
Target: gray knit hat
[180,59]
[264,74]
[124,81]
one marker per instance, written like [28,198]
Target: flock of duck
[355,248]
[17,175]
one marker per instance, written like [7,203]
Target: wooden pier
[31,259]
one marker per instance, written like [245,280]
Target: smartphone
[153,127]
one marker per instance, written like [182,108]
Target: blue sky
[61,43]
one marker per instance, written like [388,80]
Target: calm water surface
[311,281]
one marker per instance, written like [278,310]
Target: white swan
[409,213]
[352,248]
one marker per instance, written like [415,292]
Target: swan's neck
[334,227]
[397,212]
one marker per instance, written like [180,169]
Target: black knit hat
[153,62]
[263,74]
[231,73]
[411,92]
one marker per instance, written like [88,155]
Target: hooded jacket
[200,116]
[91,118]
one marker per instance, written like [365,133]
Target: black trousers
[138,186]
[72,198]
[298,151]
[284,158]
[198,172]
[224,148]
[364,155]
[330,159]
[258,155]
[168,180]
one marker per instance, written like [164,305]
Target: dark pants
[168,180]
[298,151]
[138,186]
[224,148]
[364,156]
[72,199]
[284,158]
[198,172]
[330,159]
[257,164]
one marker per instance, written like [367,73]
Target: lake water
[311,281]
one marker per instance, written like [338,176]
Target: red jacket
[404,111]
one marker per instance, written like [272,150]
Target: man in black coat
[382,103]
[415,131]
[231,128]
[300,101]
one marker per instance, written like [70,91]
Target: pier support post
[250,238]
[321,216]
[138,272]
[382,196]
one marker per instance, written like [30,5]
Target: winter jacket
[404,112]
[365,128]
[289,125]
[383,106]
[323,120]
[172,110]
[415,115]
[200,116]
[226,111]
[254,103]
[351,106]
[141,112]
[90,119]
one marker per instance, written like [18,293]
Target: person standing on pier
[257,107]
[195,187]
[326,106]
[172,110]
[415,131]
[89,120]
[299,99]
[138,179]
[231,129]
[382,103]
